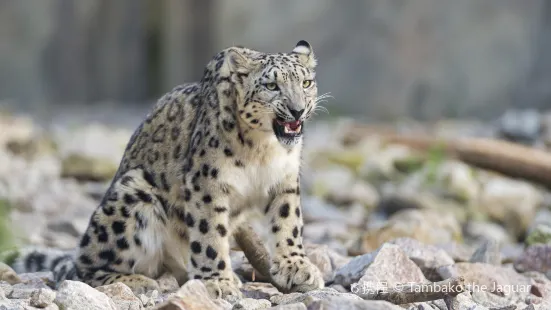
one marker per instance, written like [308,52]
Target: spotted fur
[207,153]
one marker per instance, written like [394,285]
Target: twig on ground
[255,252]
[415,292]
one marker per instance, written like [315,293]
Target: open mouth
[283,129]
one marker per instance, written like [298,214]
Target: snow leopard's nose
[296,114]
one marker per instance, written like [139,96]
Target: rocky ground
[378,217]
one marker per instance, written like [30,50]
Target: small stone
[459,252]
[87,168]
[122,296]
[464,301]
[308,297]
[535,258]
[338,302]
[259,290]
[42,298]
[252,304]
[168,283]
[8,274]
[194,295]
[481,231]
[429,226]
[488,252]
[428,257]
[293,306]
[6,288]
[75,295]
[513,203]
[24,290]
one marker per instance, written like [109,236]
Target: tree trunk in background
[117,51]
[186,41]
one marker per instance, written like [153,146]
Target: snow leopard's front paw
[296,274]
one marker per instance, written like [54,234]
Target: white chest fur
[261,172]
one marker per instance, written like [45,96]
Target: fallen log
[511,159]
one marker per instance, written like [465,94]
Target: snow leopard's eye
[306,83]
[271,86]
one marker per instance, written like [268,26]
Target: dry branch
[415,292]
[255,252]
[507,158]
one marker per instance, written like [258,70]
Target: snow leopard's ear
[305,54]
[239,61]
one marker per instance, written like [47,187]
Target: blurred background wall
[380,59]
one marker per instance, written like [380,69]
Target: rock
[357,192]
[535,258]
[83,167]
[499,280]
[259,290]
[388,264]
[427,226]
[337,303]
[315,209]
[42,298]
[511,252]
[487,299]
[428,257]
[486,231]
[252,304]
[293,306]
[488,252]
[464,301]
[459,252]
[523,126]
[6,288]
[35,277]
[325,259]
[513,203]
[24,290]
[122,296]
[194,296]
[168,283]
[391,266]
[306,298]
[539,234]
[7,274]
[75,295]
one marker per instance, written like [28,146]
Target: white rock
[75,295]
[42,298]
[122,296]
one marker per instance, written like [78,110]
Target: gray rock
[464,301]
[488,253]
[487,231]
[293,306]
[391,266]
[46,277]
[259,290]
[337,303]
[535,258]
[24,290]
[354,270]
[428,257]
[6,288]
[487,299]
[252,304]
[42,298]
[122,296]
[459,252]
[75,295]
[307,297]
[325,259]
[523,126]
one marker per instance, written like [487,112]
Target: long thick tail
[38,259]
